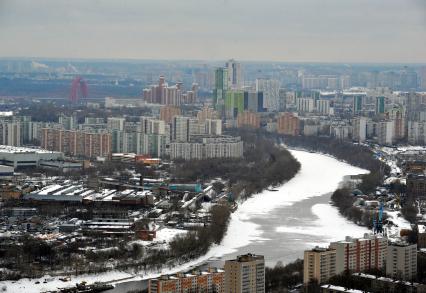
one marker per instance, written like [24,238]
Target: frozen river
[277,224]
[281,224]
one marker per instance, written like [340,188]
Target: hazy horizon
[329,31]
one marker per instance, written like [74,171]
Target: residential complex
[76,143]
[207,281]
[207,147]
[164,94]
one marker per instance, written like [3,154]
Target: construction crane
[378,221]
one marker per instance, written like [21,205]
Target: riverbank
[264,164]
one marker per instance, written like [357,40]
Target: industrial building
[18,157]
[79,194]
[6,172]
[62,165]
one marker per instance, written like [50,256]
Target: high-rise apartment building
[401,261]
[253,101]
[357,103]
[207,147]
[246,273]
[150,125]
[234,104]
[282,103]
[116,123]
[207,113]
[306,105]
[271,93]
[68,122]
[359,129]
[397,115]
[323,106]
[76,143]
[248,119]
[319,264]
[181,128]
[235,76]
[168,112]
[220,88]
[10,133]
[360,254]
[380,105]
[385,132]
[212,126]
[417,132]
[164,94]
[288,124]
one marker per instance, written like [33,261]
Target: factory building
[19,157]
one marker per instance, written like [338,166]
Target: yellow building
[319,264]
[246,273]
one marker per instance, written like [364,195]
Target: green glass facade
[234,103]
[220,86]
[380,105]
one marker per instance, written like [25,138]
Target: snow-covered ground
[53,283]
[319,174]
[399,221]
[163,235]
[331,226]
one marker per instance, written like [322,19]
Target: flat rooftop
[20,150]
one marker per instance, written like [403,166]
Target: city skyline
[303,31]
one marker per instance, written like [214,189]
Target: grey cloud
[288,30]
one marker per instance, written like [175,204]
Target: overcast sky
[281,30]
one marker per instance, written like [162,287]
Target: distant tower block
[78,90]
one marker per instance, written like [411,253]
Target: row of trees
[264,164]
[354,154]
[282,278]
[198,242]
[344,200]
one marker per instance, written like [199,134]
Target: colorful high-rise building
[360,254]
[380,105]
[234,104]
[357,104]
[220,88]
